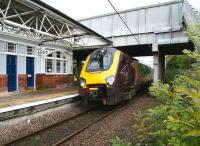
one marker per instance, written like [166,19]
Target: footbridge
[157,30]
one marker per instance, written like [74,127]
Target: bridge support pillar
[158,63]
[162,66]
[159,66]
[155,66]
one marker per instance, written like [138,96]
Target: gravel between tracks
[118,123]
[54,134]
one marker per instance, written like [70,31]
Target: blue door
[30,71]
[11,73]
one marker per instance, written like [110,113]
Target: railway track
[36,133]
[61,132]
[82,129]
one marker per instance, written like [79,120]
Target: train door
[11,73]
[30,71]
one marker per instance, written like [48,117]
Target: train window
[99,62]
[106,60]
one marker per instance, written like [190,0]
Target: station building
[37,43]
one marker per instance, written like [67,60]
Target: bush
[177,65]
[118,142]
[176,121]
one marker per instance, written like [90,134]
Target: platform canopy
[36,20]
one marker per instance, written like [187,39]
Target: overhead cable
[126,24]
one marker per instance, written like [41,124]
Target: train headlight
[82,82]
[110,80]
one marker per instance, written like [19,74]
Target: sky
[78,9]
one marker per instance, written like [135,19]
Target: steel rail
[83,128]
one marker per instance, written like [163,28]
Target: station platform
[30,96]
[18,104]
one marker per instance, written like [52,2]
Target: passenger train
[109,76]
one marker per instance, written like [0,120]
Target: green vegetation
[144,70]
[37,138]
[118,142]
[177,65]
[180,64]
[176,121]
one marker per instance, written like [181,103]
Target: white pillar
[156,75]
[155,67]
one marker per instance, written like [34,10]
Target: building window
[56,62]
[11,48]
[49,65]
[58,66]
[57,54]
[29,50]
[50,55]
[64,67]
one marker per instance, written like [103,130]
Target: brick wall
[45,81]
[22,82]
[3,83]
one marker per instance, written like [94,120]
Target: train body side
[116,83]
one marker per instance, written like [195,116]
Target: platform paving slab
[19,98]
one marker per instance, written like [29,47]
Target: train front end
[97,78]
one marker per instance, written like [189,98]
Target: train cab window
[106,60]
[99,62]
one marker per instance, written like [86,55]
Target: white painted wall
[21,64]
[2,57]
[21,60]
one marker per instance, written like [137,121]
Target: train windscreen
[100,61]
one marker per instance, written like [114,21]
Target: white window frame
[15,48]
[63,58]
[46,67]
[30,47]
